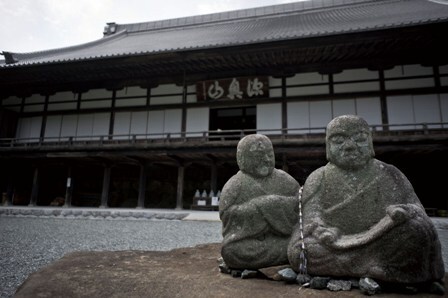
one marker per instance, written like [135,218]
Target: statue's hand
[312,226]
[403,212]
[398,213]
[327,235]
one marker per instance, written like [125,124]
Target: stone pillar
[35,188]
[180,187]
[68,190]
[106,185]
[142,187]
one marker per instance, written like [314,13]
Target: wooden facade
[148,130]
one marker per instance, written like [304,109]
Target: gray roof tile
[272,23]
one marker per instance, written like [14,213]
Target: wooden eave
[327,54]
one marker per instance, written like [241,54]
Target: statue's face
[257,158]
[349,145]
[262,160]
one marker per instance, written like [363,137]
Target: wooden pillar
[214,177]
[106,185]
[180,187]
[184,108]
[44,118]
[112,115]
[35,188]
[68,190]
[142,187]
[383,101]
[284,108]
[9,191]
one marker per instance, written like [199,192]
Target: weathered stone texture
[258,208]
[362,217]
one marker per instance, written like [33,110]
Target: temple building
[152,112]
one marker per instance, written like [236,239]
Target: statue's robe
[258,216]
[370,242]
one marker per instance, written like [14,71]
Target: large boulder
[183,272]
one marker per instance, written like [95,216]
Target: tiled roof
[315,18]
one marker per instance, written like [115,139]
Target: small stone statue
[257,208]
[362,217]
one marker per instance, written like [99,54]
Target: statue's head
[349,142]
[255,155]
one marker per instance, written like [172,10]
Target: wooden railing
[214,135]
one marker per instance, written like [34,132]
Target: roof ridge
[226,16]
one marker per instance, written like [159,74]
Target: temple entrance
[240,118]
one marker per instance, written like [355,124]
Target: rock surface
[184,272]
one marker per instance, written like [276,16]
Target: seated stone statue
[362,217]
[257,208]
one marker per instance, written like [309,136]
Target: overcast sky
[34,25]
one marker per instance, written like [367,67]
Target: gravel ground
[28,244]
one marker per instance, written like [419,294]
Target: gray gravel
[28,244]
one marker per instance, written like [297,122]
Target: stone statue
[361,216]
[257,208]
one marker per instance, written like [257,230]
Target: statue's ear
[372,150]
[240,161]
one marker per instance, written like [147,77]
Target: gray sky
[34,25]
